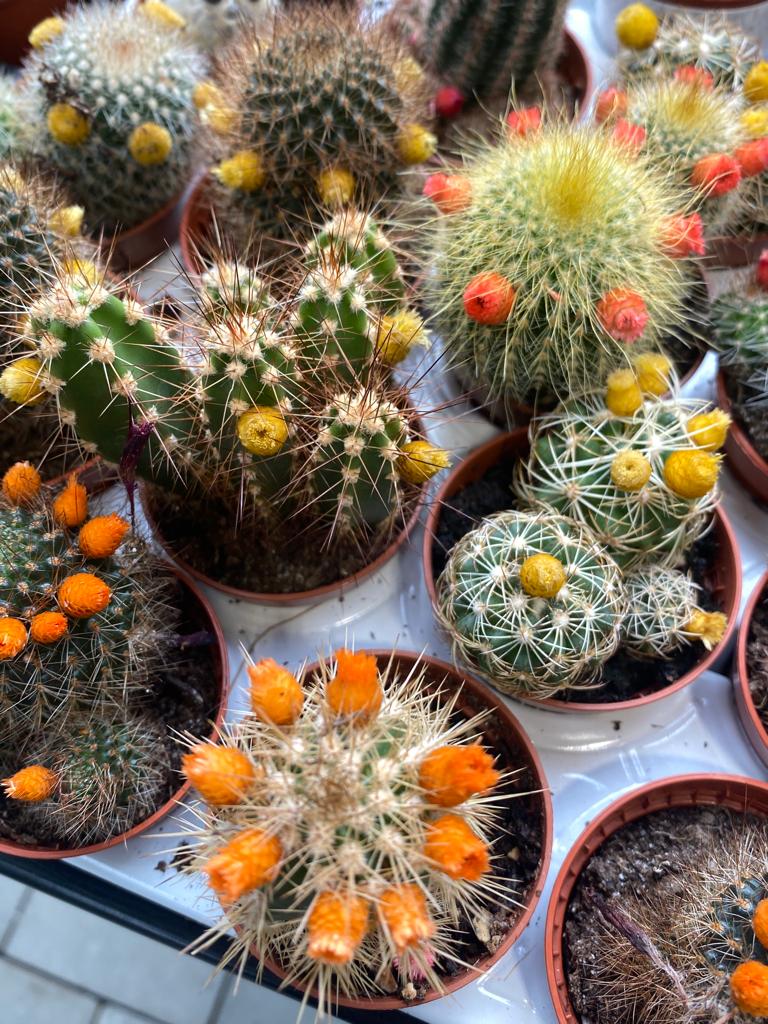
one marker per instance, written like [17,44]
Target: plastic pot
[751,722]
[725,582]
[744,461]
[518,751]
[219,649]
[731,791]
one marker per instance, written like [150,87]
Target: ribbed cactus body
[731,938]
[660,604]
[740,329]
[34,554]
[27,246]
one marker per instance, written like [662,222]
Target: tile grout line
[16,917]
[221,998]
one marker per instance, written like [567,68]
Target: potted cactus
[120,129]
[603,585]
[750,664]
[94,641]
[411,878]
[660,912]
[740,328]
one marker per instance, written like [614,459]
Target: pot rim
[720,523]
[51,853]
[751,721]
[515,727]
[737,437]
[688,790]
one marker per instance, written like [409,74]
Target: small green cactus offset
[663,614]
[109,89]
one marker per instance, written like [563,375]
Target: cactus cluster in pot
[348,826]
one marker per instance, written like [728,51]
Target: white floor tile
[254,1004]
[113,962]
[10,894]
[117,1015]
[29,998]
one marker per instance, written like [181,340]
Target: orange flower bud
[489,298]
[355,690]
[716,174]
[102,536]
[13,638]
[452,845]
[83,595]
[760,923]
[450,775]
[749,988]
[337,925]
[247,862]
[692,75]
[221,775]
[611,102]
[623,314]
[70,508]
[276,696]
[21,483]
[752,157]
[683,236]
[524,122]
[403,910]
[48,627]
[630,135]
[32,784]
[451,193]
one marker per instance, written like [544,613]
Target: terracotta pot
[219,647]
[746,464]
[136,246]
[195,228]
[725,583]
[735,251]
[519,751]
[575,68]
[751,722]
[17,19]
[731,791]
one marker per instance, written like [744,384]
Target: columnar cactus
[558,253]
[494,45]
[348,824]
[533,602]
[663,614]
[109,90]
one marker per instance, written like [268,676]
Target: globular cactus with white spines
[640,471]
[318,110]
[213,24]
[108,89]
[11,137]
[557,254]
[533,602]
[663,614]
[348,824]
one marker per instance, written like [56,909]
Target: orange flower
[70,508]
[102,536]
[248,861]
[403,910]
[21,483]
[450,775]
[524,122]
[276,696]
[451,193]
[611,102]
[749,988]
[455,848]
[32,784]
[489,298]
[692,75]
[221,775]
[628,134]
[355,689]
[13,638]
[83,595]
[716,174]
[48,627]
[683,236]
[760,923]
[337,925]
[623,314]
[752,157]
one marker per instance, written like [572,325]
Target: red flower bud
[761,274]
[525,121]
[489,298]
[716,174]
[611,102]
[451,193]
[692,75]
[623,314]
[449,102]
[752,157]
[630,135]
[684,236]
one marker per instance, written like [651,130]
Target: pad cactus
[532,602]
[348,824]
[558,265]
[110,99]
[663,614]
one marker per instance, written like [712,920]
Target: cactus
[321,110]
[348,824]
[212,24]
[642,475]
[532,602]
[663,614]
[558,262]
[488,47]
[110,101]
[10,120]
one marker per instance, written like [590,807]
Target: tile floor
[63,965]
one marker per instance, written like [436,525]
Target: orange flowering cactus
[326,839]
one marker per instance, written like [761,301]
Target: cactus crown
[348,823]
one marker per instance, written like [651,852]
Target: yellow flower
[335,186]
[45,31]
[67,220]
[221,119]
[162,14]
[262,430]
[630,471]
[756,83]
[636,26]
[542,575]
[81,271]
[67,125]
[755,122]
[709,430]
[709,627]
[244,171]
[419,461]
[20,381]
[408,73]
[150,144]
[415,144]
[396,335]
[623,396]
[691,473]
[653,371]
[11,179]
[207,94]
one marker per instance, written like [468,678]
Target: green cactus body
[731,939]
[740,329]
[34,554]
[524,643]
[27,246]
[119,69]
[10,121]
[332,321]
[660,604]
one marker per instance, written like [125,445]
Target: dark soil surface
[184,697]
[638,856]
[31,436]
[625,675]
[753,420]
[757,658]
